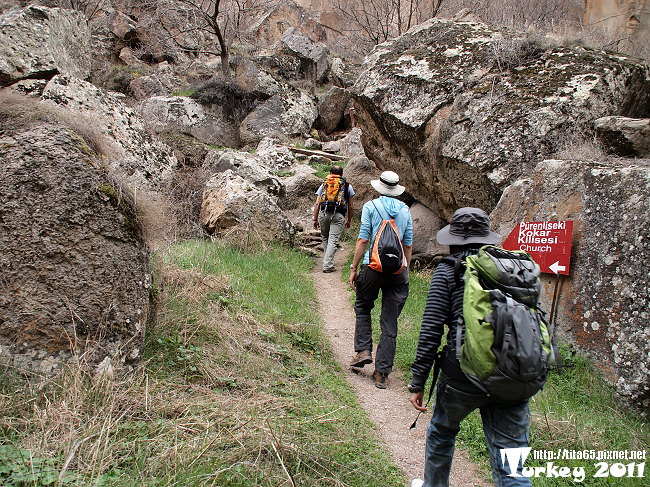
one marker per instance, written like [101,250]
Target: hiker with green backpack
[498,347]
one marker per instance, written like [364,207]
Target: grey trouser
[395,290]
[331,227]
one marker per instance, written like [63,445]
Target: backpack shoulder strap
[458,263]
[382,216]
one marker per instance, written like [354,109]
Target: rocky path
[389,409]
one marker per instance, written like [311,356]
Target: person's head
[387,185]
[469,227]
[336,170]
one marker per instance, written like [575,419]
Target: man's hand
[315,224]
[353,279]
[416,400]
[347,224]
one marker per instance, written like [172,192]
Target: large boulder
[76,272]
[426,224]
[289,113]
[233,205]
[312,55]
[461,109]
[145,162]
[39,42]
[627,137]
[207,124]
[359,171]
[331,107]
[604,301]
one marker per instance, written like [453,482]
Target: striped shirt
[444,306]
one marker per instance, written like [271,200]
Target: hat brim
[445,238]
[387,190]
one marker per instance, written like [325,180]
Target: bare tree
[376,21]
[204,26]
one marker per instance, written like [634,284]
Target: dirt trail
[390,408]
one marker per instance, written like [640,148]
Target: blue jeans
[505,425]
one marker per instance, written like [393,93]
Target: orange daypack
[387,251]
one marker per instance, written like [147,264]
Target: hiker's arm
[408,251]
[350,210]
[316,207]
[437,311]
[359,250]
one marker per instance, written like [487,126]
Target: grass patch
[238,388]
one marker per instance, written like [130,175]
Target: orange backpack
[386,251]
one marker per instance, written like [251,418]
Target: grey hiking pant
[395,290]
[331,227]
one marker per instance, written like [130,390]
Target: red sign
[549,243]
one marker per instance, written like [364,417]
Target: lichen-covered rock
[145,162]
[331,107]
[39,42]
[627,137]
[290,113]
[168,114]
[76,274]
[604,302]
[312,55]
[233,204]
[461,109]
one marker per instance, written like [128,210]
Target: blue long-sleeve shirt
[388,207]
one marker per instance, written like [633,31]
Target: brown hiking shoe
[361,358]
[380,380]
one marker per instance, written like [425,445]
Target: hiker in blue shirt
[368,283]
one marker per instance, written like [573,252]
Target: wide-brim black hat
[468,226]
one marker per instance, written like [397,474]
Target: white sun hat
[387,184]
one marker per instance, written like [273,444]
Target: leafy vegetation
[238,387]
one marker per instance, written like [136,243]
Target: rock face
[426,224]
[461,110]
[289,113]
[604,302]
[39,42]
[627,137]
[313,56]
[246,197]
[145,162]
[76,273]
[331,107]
[165,114]
[231,202]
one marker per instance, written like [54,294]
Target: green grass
[238,388]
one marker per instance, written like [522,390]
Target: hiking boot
[417,483]
[380,380]
[331,269]
[361,358]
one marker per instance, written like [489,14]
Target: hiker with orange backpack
[386,224]
[333,203]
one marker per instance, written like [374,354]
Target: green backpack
[503,342]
